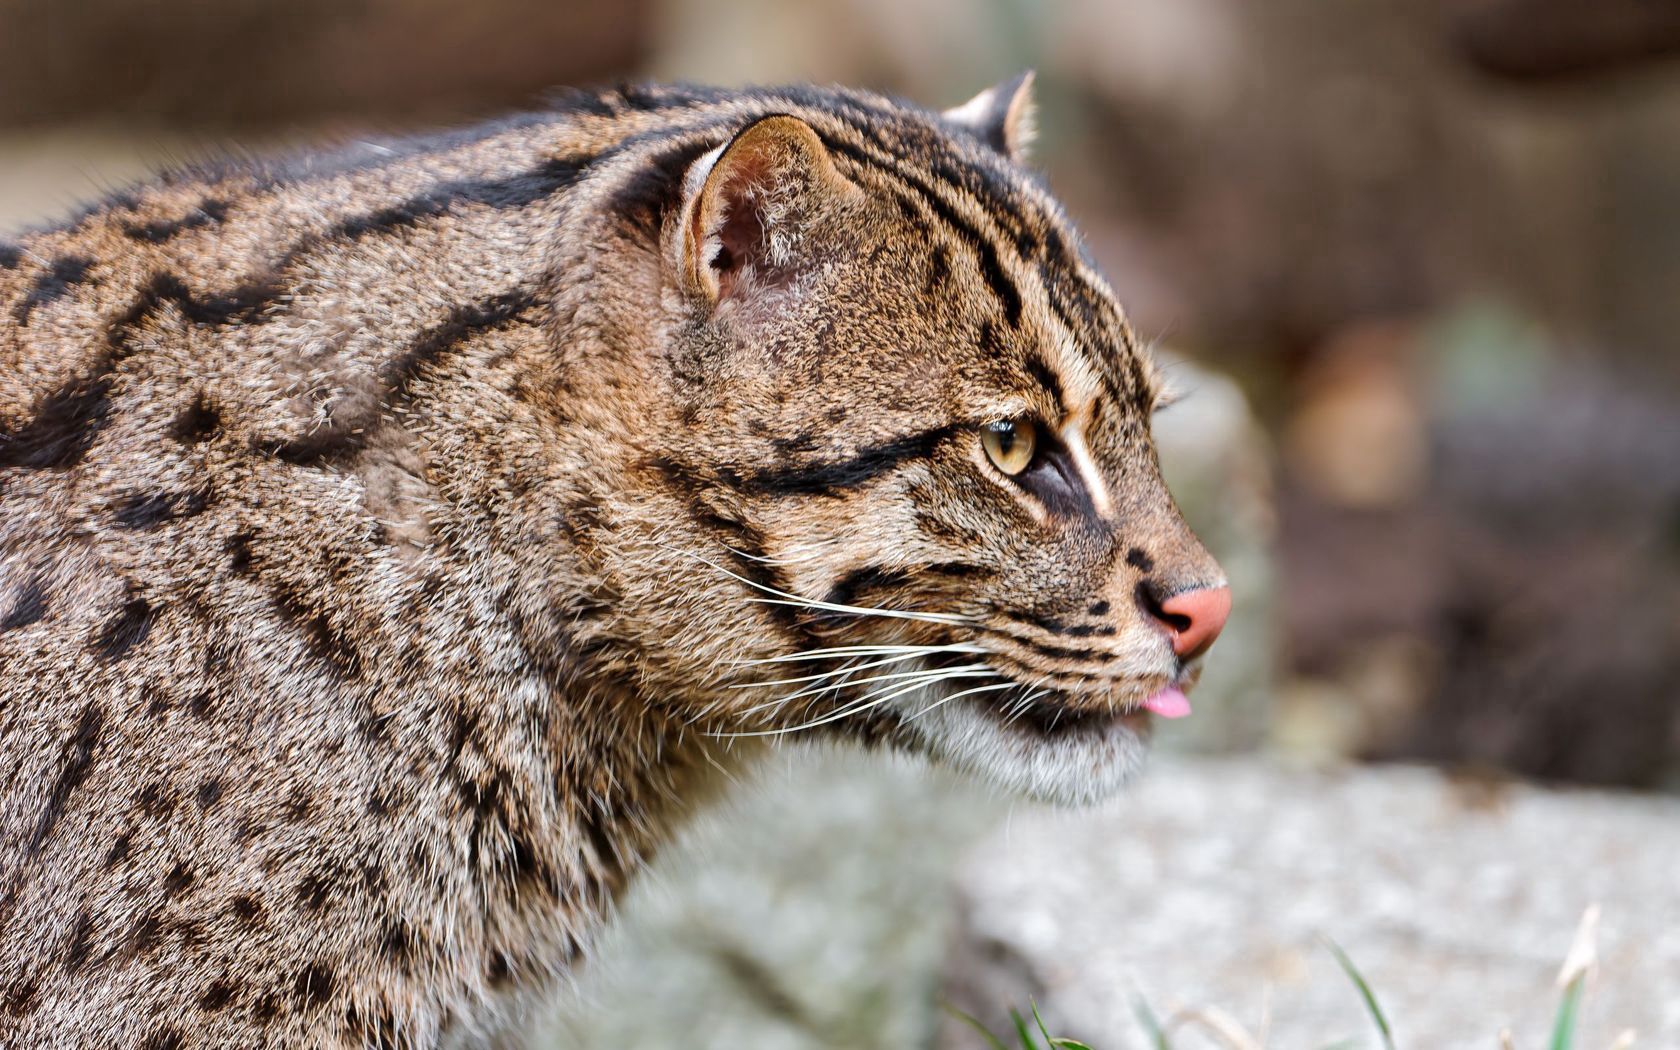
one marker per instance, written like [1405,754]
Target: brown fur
[382,534]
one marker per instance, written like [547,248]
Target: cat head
[907,485]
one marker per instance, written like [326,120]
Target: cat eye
[1010,445]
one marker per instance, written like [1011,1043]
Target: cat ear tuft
[748,206]
[1002,116]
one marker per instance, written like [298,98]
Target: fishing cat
[396,543]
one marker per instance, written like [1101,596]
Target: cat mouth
[1068,747]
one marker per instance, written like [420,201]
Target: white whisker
[862,650]
[965,692]
[873,700]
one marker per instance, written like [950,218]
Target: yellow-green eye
[1010,445]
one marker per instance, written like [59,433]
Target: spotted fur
[386,537]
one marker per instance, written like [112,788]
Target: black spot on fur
[322,638]
[209,793]
[64,425]
[246,910]
[217,995]
[939,269]
[119,849]
[146,933]
[179,880]
[314,985]
[29,604]
[155,800]
[124,631]
[11,256]
[396,945]
[164,1039]
[313,890]
[202,705]
[22,998]
[78,759]
[209,213]
[197,422]
[267,1009]
[1137,559]
[149,510]
[53,285]
[80,945]
[238,547]
[1098,609]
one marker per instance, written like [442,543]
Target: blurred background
[1415,264]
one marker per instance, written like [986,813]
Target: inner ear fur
[749,205]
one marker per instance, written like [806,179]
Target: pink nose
[1195,618]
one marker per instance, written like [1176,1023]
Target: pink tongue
[1169,703]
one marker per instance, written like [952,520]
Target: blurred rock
[1209,888]
[811,914]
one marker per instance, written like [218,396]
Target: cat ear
[748,207]
[1001,116]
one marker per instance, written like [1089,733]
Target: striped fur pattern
[396,543]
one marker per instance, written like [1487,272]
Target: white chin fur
[1072,769]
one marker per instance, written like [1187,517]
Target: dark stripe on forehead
[991,268]
[1041,372]
[857,470]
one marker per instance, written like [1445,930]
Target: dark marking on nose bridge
[78,759]
[1056,626]
[1140,561]
[124,631]
[29,604]
[64,274]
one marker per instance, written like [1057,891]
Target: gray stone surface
[1211,884]
[811,912]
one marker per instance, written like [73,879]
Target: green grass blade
[1146,1017]
[1365,992]
[1039,1020]
[991,1040]
[1050,1040]
[1563,1029]
[1021,1031]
